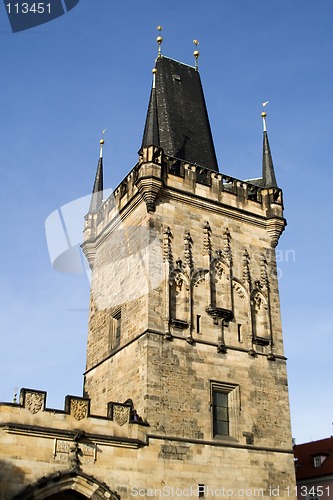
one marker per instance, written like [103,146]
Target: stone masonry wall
[35,452]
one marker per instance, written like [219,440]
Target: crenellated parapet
[120,426]
[157,175]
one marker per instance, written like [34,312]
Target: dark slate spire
[97,193]
[177,119]
[151,133]
[268,174]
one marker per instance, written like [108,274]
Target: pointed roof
[97,192]
[177,117]
[268,174]
[151,133]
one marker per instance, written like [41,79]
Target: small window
[115,329]
[317,461]
[239,332]
[220,413]
[198,323]
[118,328]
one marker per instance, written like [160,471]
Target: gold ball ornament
[101,142]
[263,114]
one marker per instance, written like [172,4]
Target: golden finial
[196,53]
[101,142]
[159,40]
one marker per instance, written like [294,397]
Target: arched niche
[220,285]
[200,299]
[241,326]
[260,318]
[179,299]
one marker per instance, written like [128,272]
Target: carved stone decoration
[167,249]
[238,288]
[258,285]
[34,401]
[188,258]
[74,457]
[207,244]
[227,245]
[275,226]
[219,254]
[258,302]
[218,312]
[79,409]
[149,187]
[121,414]
[264,273]
[199,276]
[178,280]
[246,268]
[219,270]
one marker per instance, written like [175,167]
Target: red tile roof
[305,453]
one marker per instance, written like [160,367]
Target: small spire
[97,193]
[151,132]
[159,40]
[268,174]
[196,54]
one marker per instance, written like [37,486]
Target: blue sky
[65,81]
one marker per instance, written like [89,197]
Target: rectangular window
[239,332]
[117,318]
[220,413]
[198,323]
[225,403]
[115,329]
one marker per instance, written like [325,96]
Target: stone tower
[185,314]
[185,389]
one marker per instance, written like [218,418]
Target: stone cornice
[52,433]
[225,443]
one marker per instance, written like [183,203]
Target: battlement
[156,174]
[119,427]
